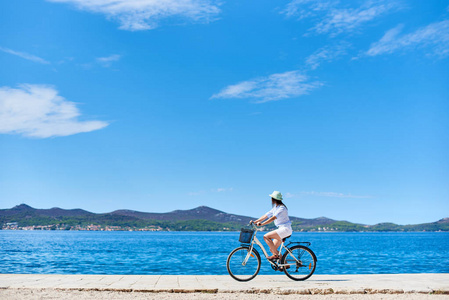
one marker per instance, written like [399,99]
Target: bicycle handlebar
[253,225]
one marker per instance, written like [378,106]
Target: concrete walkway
[270,284]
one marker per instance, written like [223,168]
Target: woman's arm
[260,219]
[267,221]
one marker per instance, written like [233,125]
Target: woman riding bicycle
[278,214]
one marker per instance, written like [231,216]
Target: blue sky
[343,106]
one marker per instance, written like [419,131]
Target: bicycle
[298,262]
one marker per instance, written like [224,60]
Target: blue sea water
[81,252]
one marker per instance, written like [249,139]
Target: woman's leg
[273,241]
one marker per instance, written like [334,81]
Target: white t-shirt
[281,214]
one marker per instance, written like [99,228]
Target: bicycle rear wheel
[238,269]
[301,262]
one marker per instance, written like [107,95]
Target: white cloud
[326,53]
[24,55]
[434,36]
[289,195]
[335,19]
[147,14]
[222,190]
[341,20]
[108,60]
[307,8]
[38,111]
[325,194]
[274,87]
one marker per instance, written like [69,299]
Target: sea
[205,253]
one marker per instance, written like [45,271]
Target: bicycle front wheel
[299,263]
[238,268]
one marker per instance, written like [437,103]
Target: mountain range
[200,218]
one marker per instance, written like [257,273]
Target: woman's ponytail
[277,202]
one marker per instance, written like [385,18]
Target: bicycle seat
[283,240]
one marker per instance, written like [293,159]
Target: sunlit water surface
[76,252]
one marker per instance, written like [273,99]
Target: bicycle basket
[246,235]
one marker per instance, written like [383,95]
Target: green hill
[198,219]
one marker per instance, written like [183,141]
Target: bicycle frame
[256,241]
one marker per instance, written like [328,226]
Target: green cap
[276,195]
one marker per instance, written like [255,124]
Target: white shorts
[284,231]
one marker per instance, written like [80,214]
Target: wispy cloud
[25,55]
[326,54]
[324,194]
[274,87]
[108,60]
[335,19]
[38,111]
[434,37]
[147,14]
[307,8]
[222,190]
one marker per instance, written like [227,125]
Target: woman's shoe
[274,256]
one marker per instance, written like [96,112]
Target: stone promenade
[262,284]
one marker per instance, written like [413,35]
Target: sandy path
[28,294]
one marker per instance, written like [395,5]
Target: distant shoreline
[202,218]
